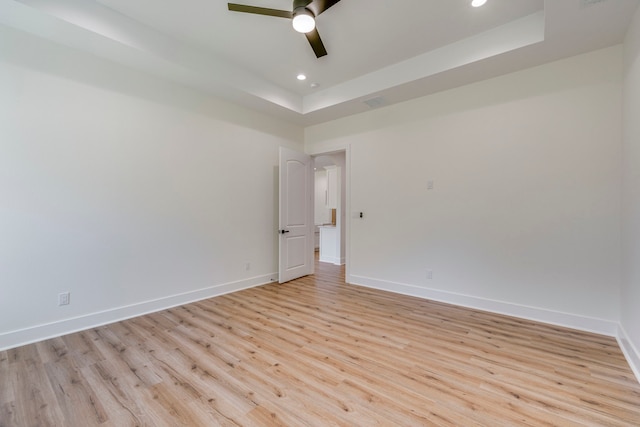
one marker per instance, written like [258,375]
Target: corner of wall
[629,329]
[630,352]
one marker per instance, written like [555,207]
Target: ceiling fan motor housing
[300,4]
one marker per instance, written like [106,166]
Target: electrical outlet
[247,266]
[64,298]
[429,185]
[429,274]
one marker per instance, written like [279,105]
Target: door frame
[347,199]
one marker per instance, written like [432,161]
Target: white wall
[524,217]
[132,193]
[631,198]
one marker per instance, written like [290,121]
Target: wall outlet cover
[64,298]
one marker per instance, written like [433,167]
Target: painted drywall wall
[129,192]
[630,319]
[524,214]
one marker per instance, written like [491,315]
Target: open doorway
[296,222]
[330,207]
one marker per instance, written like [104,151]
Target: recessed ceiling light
[314,85]
[478,3]
[301,77]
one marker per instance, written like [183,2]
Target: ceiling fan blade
[316,43]
[260,10]
[319,6]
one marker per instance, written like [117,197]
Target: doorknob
[283,231]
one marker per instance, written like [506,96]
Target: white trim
[338,148]
[630,352]
[574,321]
[37,333]
[42,332]
[330,259]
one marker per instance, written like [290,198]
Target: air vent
[376,102]
[588,3]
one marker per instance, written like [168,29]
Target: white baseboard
[37,333]
[330,259]
[630,352]
[583,323]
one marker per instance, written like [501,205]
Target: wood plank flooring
[317,352]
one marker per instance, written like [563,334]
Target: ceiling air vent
[587,3]
[376,102]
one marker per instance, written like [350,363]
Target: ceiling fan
[303,16]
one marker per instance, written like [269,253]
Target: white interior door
[296,215]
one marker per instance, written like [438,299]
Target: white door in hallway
[296,215]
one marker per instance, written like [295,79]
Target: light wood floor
[318,352]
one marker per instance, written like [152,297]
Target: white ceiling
[380,50]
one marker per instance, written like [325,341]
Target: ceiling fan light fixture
[303,20]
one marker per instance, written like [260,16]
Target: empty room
[319,213]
